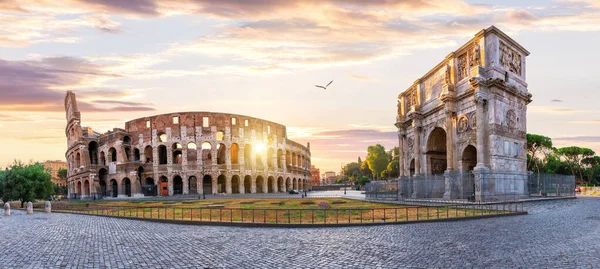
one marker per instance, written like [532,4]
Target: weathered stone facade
[468,113]
[183,153]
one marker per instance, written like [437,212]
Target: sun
[260,147]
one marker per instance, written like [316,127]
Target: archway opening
[113,154]
[127,185]
[234,153]
[235,184]
[411,168]
[279,156]
[207,184]
[247,184]
[177,155]
[93,150]
[164,186]
[162,154]
[206,155]
[248,156]
[436,152]
[149,189]
[221,153]
[102,158]
[270,153]
[221,184]
[136,154]
[469,158]
[102,177]
[281,184]
[86,188]
[192,153]
[260,181]
[271,185]
[177,185]
[102,188]
[148,154]
[193,185]
[114,187]
[295,182]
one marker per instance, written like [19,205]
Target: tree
[574,156]
[365,170]
[62,174]
[352,171]
[377,159]
[363,180]
[393,169]
[26,183]
[535,143]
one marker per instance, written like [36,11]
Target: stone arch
[271,185]
[126,140]
[289,185]
[469,158]
[270,153]
[279,156]
[281,184]
[207,154]
[86,188]
[114,188]
[177,185]
[294,159]
[235,151]
[221,184]
[127,186]
[235,184]
[93,151]
[77,160]
[136,154]
[162,137]
[221,149]
[248,184]
[127,154]
[260,181]
[162,154]
[148,154]
[192,152]
[102,178]
[294,183]
[411,168]
[102,158]
[436,151]
[177,153]
[149,181]
[248,156]
[78,189]
[193,185]
[113,154]
[207,184]
[163,187]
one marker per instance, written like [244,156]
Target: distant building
[316,175]
[54,166]
[329,177]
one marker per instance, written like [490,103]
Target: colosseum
[186,153]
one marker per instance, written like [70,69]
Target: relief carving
[463,124]
[511,118]
[410,142]
[510,59]
[447,74]
[475,55]
[473,120]
[462,67]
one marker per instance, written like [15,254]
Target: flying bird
[324,87]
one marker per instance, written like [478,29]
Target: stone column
[170,181]
[400,154]
[481,137]
[186,185]
[450,140]
[275,186]
[215,181]
[417,149]
[242,185]
[241,161]
[228,158]
[253,185]
[283,162]
[228,185]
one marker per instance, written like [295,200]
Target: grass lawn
[291,210]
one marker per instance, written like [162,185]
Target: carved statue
[447,74]
[510,59]
[462,124]
[510,118]
[462,67]
[475,55]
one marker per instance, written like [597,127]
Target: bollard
[6,209]
[29,208]
[48,207]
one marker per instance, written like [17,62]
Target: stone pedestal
[47,207]
[482,184]
[451,185]
[29,208]
[477,71]
[6,209]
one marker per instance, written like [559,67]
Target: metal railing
[298,216]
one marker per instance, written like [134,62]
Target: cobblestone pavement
[555,234]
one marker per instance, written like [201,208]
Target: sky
[135,58]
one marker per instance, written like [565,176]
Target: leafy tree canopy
[26,183]
[377,159]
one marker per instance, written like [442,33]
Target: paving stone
[555,234]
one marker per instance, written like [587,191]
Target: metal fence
[297,216]
[473,187]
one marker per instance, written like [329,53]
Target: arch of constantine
[183,153]
[462,126]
